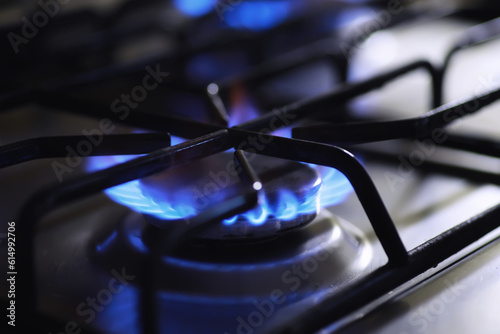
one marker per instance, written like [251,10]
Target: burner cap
[290,195]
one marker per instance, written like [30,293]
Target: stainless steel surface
[462,298]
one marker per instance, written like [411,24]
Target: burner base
[323,254]
[214,287]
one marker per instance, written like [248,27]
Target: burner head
[290,195]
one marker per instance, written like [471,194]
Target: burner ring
[290,196]
[200,267]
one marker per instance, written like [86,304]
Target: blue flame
[195,7]
[252,15]
[131,195]
[257,15]
[283,132]
[334,188]
[176,140]
[331,188]
[288,207]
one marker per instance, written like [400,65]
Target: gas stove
[250,166]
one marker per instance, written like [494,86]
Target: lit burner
[195,8]
[226,280]
[293,193]
[252,15]
[290,194]
[259,15]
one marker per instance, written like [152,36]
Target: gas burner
[290,195]
[236,276]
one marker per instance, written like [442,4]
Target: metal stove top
[403,242]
